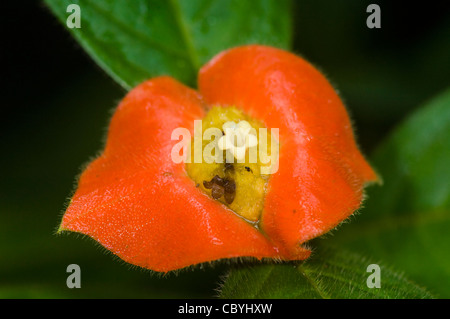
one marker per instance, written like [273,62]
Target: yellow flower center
[240,180]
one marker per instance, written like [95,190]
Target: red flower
[143,207]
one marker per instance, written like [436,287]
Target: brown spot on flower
[221,187]
[229,197]
[229,168]
[217,191]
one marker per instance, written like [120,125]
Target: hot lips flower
[157,212]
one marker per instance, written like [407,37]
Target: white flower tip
[244,125]
[239,152]
[228,125]
[237,138]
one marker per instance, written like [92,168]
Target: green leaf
[139,39]
[329,273]
[407,220]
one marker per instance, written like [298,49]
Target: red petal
[321,172]
[139,204]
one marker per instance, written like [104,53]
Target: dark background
[56,104]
